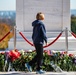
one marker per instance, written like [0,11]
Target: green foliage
[64,61]
[1,61]
[73,24]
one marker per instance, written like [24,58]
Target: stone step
[59,45]
[34,73]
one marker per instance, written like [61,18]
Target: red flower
[70,55]
[14,54]
[45,51]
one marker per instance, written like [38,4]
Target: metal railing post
[14,37]
[66,39]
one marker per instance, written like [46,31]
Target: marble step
[59,45]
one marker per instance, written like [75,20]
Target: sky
[11,4]
[7,4]
[72,4]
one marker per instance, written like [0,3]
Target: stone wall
[57,14]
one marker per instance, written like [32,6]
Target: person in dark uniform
[38,37]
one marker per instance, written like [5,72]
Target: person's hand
[46,44]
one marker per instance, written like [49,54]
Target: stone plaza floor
[34,73]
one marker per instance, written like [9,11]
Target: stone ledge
[34,73]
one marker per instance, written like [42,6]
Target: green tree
[73,24]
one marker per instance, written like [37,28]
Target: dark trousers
[38,57]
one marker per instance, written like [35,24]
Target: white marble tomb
[57,18]
[57,14]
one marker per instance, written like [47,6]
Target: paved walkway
[33,73]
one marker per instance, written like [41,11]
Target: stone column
[20,15]
[66,14]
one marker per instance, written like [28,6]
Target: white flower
[53,51]
[30,56]
[64,61]
[30,50]
[75,56]
[22,52]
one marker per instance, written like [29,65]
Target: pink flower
[48,52]
[65,52]
[3,53]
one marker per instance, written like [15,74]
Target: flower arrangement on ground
[67,62]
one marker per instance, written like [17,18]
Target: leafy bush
[66,62]
[4,29]
[73,24]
